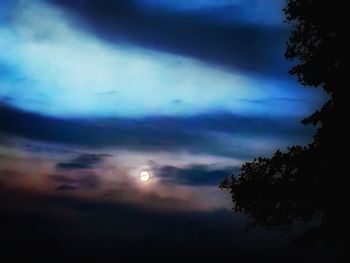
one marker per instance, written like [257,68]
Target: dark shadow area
[46,228]
[306,183]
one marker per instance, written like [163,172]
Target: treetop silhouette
[305,183]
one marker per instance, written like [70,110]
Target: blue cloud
[221,134]
[195,174]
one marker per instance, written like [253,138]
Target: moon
[144,176]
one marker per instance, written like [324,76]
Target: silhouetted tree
[305,182]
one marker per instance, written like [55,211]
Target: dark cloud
[72,166]
[195,174]
[80,178]
[64,187]
[244,47]
[73,181]
[61,179]
[83,161]
[196,134]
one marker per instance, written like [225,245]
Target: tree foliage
[305,182]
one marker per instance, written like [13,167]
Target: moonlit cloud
[115,177]
[58,70]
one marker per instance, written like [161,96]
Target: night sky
[92,92]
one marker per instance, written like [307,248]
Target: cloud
[219,134]
[74,181]
[80,176]
[65,187]
[194,174]
[72,166]
[83,161]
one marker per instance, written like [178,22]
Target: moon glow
[144,176]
